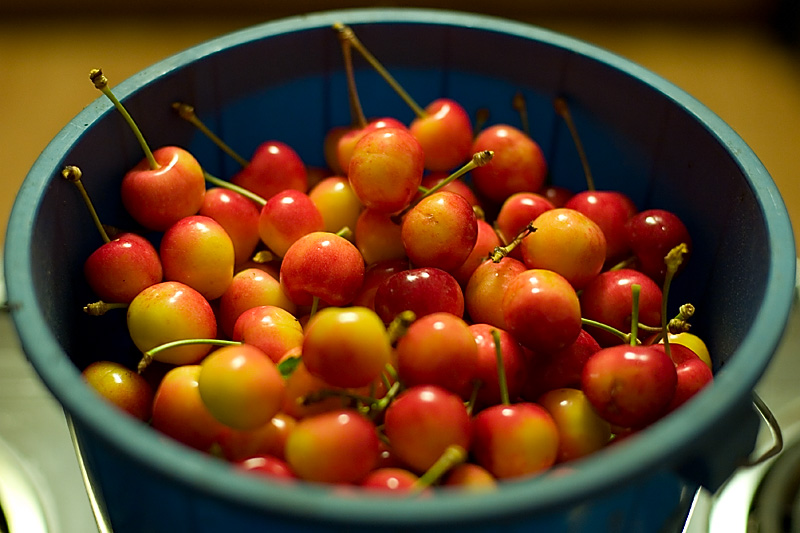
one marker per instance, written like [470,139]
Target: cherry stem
[314,307]
[101,83]
[521,106]
[673,261]
[561,107]
[399,325]
[605,327]
[481,118]
[473,397]
[186,112]
[347,34]
[625,263]
[100,307]
[73,174]
[345,233]
[452,456]
[478,160]
[263,256]
[150,354]
[356,111]
[500,252]
[235,188]
[501,369]
[678,324]
[636,289]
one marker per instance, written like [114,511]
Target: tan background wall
[727,53]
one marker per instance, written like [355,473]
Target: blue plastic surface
[283,80]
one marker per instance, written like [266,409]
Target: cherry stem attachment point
[502,251]
[73,174]
[101,83]
[346,33]
[605,327]
[187,113]
[399,325]
[561,107]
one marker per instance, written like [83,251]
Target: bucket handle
[774,429]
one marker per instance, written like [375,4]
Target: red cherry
[274,167]
[120,269]
[651,235]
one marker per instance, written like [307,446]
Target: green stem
[346,34]
[473,397]
[478,160]
[520,105]
[452,456]
[314,307]
[150,354]
[73,174]
[501,369]
[636,289]
[673,261]
[101,83]
[562,109]
[502,251]
[235,188]
[356,111]
[606,327]
[100,307]
[186,112]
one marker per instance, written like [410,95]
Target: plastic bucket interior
[283,80]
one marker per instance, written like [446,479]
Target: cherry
[337,203]
[171,311]
[567,242]
[266,465]
[336,447]
[197,251]
[559,369]
[515,440]
[516,212]
[390,479]
[268,439]
[610,210]
[322,265]
[179,412]
[240,386]
[518,165]
[347,142]
[513,360]
[423,421]
[346,347]
[121,386]
[542,310]
[287,216]
[423,291]
[251,287]
[581,430]
[378,237]
[386,169]
[269,328]
[470,476]
[438,349]
[555,194]
[440,231]
[608,300]
[274,167]
[238,215]
[692,372]
[483,295]
[651,235]
[374,276]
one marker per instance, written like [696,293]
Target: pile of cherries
[383,322]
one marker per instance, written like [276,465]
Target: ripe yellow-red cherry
[581,430]
[241,386]
[346,347]
[171,311]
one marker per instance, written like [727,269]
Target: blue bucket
[284,80]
